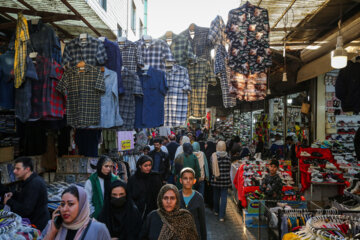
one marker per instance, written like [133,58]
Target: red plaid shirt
[47,103]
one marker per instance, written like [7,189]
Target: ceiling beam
[317,28]
[259,3]
[44,20]
[8,16]
[287,55]
[283,14]
[63,31]
[32,12]
[67,34]
[68,5]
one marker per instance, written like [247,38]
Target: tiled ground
[232,228]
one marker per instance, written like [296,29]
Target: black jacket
[172,147]
[164,169]
[31,202]
[143,189]
[197,208]
[152,227]
[347,87]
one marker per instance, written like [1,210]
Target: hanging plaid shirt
[223,71]
[248,31]
[132,87]
[200,75]
[176,100]
[217,34]
[200,43]
[83,91]
[181,50]
[217,37]
[131,56]
[90,50]
[46,102]
[156,53]
[22,37]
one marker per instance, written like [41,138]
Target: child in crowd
[272,184]
[192,200]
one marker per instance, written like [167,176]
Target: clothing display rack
[314,214]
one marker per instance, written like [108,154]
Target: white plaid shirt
[176,100]
[156,53]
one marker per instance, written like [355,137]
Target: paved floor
[232,228]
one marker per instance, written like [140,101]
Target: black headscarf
[202,146]
[188,149]
[211,148]
[143,159]
[122,222]
[107,178]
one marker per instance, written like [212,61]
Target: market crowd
[175,178]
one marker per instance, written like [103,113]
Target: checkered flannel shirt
[131,55]
[21,39]
[200,74]
[47,103]
[83,91]
[217,34]
[132,87]
[223,71]
[176,100]
[181,50]
[200,44]
[92,52]
[156,54]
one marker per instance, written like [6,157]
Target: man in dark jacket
[161,162]
[193,201]
[31,201]
[172,146]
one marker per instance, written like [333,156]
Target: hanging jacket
[347,87]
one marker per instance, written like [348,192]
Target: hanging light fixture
[339,55]
[284,77]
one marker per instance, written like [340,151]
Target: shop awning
[69,17]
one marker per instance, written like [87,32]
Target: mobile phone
[58,221]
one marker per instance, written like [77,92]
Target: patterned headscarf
[177,224]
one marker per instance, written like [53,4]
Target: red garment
[239,185]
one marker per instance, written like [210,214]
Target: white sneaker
[329,165]
[331,180]
[305,154]
[315,179]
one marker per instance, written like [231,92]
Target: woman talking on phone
[72,219]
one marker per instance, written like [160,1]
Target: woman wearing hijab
[120,214]
[72,219]
[210,148]
[186,159]
[179,150]
[97,187]
[169,222]
[204,168]
[144,186]
[220,180]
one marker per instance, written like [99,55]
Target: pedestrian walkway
[232,228]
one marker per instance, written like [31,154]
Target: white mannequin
[102,39]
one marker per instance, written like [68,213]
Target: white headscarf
[180,149]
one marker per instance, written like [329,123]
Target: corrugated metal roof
[73,27]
